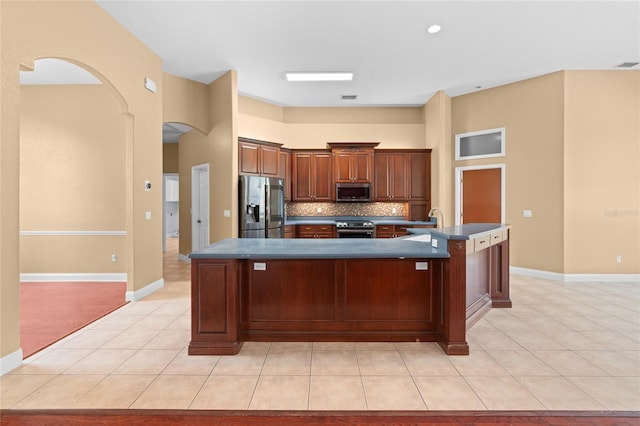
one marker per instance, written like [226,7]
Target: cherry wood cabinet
[402,175]
[352,161]
[419,174]
[284,167]
[311,176]
[316,231]
[258,158]
[289,231]
[391,176]
[348,299]
[393,231]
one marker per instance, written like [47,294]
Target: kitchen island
[422,288]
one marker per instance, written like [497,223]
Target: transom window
[480,144]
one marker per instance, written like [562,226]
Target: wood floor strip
[319,418]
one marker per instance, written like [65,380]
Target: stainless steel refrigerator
[261,210]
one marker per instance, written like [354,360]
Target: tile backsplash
[345,209]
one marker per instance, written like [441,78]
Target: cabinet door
[361,166]
[391,176]
[342,166]
[382,184]
[419,179]
[284,171]
[323,182]
[302,180]
[418,210]
[269,158]
[249,159]
[398,176]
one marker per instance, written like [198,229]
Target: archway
[73,172]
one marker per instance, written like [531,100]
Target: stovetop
[354,224]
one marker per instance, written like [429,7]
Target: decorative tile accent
[345,209]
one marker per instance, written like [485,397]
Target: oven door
[354,233]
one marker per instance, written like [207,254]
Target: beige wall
[170,158]
[85,34]
[437,113]
[260,120]
[216,146]
[72,178]
[193,151]
[223,157]
[532,112]
[392,127]
[572,158]
[185,101]
[312,128]
[602,178]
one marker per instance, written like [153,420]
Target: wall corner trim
[133,296]
[10,362]
[587,278]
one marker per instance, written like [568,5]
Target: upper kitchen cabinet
[285,172]
[311,176]
[402,175]
[352,162]
[419,175]
[390,176]
[258,158]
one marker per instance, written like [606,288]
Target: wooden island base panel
[395,290]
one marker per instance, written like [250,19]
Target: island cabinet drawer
[393,231]
[481,243]
[496,238]
[315,231]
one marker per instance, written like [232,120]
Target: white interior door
[200,206]
[170,199]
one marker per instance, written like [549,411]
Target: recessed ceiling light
[319,76]
[434,29]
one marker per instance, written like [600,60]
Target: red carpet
[50,311]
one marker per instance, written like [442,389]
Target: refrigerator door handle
[254,211]
[267,207]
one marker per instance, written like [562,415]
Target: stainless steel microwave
[356,192]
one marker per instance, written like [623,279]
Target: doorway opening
[480,194]
[73,206]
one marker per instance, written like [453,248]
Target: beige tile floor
[563,346]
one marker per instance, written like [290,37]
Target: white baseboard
[74,277]
[585,278]
[10,362]
[132,296]
[183,258]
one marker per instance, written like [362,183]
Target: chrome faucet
[437,211]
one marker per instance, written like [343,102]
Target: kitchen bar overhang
[429,287]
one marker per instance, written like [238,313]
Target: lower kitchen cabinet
[393,231]
[316,231]
[289,231]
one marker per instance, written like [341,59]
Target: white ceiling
[385,43]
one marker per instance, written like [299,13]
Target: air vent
[627,65]
[349,97]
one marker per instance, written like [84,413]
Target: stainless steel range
[359,228]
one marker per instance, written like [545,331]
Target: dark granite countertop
[323,248]
[461,232]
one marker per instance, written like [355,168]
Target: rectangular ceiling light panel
[319,76]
